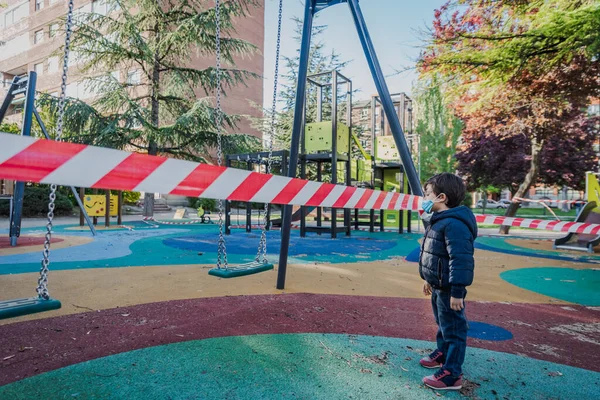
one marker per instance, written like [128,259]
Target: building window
[73,90]
[133,77]
[53,30]
[39,4]
[364,112]
[9,17]
[38,36]
[38,68]
[100,7]
[14,15]
[52,64]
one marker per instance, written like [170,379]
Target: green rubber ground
[578,286]
[299,366]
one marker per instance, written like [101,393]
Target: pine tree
[168,108]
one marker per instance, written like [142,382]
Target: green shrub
[468,201]
[192,202]
[35,203]
[130,197]
[207,204]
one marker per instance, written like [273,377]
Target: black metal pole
[347,217]
[228,207]
[334,147]
[19,193]
[79,198]
[385,97]
[248,204]
[286,223]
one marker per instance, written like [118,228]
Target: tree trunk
[536,148]
[152,145]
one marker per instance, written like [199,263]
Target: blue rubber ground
[169,245]
[414,255]
[483,331]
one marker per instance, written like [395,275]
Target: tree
[438,128]
[490,160]
[10,128]
[500,39]
[167,108]
[517,68]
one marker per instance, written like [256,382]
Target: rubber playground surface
[142,319]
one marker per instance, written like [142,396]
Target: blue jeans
[452,331]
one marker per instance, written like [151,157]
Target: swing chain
[222,250]
[262,246]
[42,288]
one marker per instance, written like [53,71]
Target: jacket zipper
[440,271]
[423,244]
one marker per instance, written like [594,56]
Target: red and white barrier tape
[258,227]
[524,200]
[557,226]
[171,222]
[28,159]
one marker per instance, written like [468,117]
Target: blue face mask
[427,206]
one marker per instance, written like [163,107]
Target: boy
[446,265]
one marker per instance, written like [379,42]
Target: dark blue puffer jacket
[446,260]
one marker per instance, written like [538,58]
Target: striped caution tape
[28,159]
[522,199]
[151,219]
[37,160]
[557,226]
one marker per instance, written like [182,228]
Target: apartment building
[30,35]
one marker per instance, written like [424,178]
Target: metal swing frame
[43,302]
[260,264]
[311,8]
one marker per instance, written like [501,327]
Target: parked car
[491,204]
[509,202]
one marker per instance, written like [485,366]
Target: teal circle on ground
[298,366]
[578,286]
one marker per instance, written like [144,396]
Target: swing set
[43,302]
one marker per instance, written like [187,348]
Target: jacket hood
[461,213]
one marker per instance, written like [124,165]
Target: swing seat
[32,305]
[250,268]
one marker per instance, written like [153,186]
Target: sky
[395,27]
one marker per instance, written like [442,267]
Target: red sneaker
[443,380]
[434,360]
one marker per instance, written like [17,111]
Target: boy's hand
[426,289]
[457,304]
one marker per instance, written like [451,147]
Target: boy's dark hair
[449,184]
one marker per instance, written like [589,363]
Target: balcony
[14,20]
[16,45]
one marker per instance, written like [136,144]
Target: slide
[296,215]
[579,241]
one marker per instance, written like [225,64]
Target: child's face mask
[427,205]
